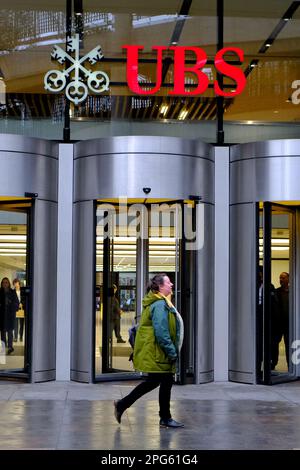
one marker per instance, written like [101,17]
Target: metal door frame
[267,377]
[142,271]
[26,372]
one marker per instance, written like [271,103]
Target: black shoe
[121,340]
[170,423]
[118,412]
[10,350]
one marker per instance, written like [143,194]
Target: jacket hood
[150,298]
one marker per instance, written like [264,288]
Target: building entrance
[15,217]
[136,239]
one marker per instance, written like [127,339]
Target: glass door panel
[163,253]
[173,250]
[115,289]
[14,291]
[275,293]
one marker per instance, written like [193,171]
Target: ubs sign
[97,81]
[180,69]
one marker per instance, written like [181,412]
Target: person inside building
[9,304]
[116,316]
[19,323]
[274,324]
[156,349]
[282,294]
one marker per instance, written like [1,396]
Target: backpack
[131,338]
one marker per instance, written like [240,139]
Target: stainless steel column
[260,171]
[30,165]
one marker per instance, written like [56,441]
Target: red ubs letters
[180,69]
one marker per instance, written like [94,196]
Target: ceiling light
[279,248]
[9,250]
[183,114]
[15,245]
[12,254]
[78,9]
[13,237]
[164,109]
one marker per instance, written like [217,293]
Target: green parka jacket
[155,347]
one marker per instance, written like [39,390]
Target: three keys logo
[76,89]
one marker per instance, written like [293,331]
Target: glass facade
[268,32]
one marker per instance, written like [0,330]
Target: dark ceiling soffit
[280,25]
[270,40]
[183,13]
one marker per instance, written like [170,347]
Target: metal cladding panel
[242,292]
[123,166]
[141,144]
[44,291]
[265,171]
[28,165]
[23,144]
[265,149]
[83,291]
[205,301]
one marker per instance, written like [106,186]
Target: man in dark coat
[274,324]
[116,316]
[9,304]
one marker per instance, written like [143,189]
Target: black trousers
[116,327]
[10,336]
[153,380]
[19,328]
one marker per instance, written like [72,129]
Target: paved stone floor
[69,415]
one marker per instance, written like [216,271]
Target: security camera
[147,190]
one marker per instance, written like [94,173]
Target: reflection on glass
[163,245]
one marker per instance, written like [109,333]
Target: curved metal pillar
[29,165]
[122,166]
[260,171]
